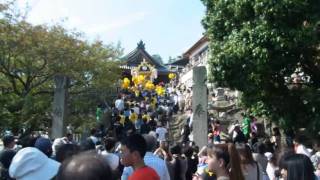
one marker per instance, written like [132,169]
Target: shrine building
[139,61]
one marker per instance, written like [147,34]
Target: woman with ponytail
[223,164]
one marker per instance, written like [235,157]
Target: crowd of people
[136,146]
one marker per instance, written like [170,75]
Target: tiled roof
[135,57]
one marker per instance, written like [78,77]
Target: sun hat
[30,164]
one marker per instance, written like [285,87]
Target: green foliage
[30,57]
[257,44]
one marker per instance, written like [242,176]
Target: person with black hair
[145,127]
[133,149]
[66,151]
[185,132]
[6,155]
[276,138]
[93,135]
[191,162]
[259,150]
[84,166]
[289,133]
[109,155]
[299,146]
[128,127]
[151,160]
[152,124]
[9,142]
[44,145]
[253,139]
[250,168]
[297,166]
[179,164]
[240,137]
[87,145]
[5,161]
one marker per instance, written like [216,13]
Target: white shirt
[119,104]
[301,149]
[270,171]
[136,110]
[161,131]
[180,98]
[112,159]
[94,139]
[152,161]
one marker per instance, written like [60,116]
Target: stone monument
[59,105]
[199,106]
[220,94]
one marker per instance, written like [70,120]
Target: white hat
[31,164]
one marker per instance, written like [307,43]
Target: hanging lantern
[135,80]
[141,79]
[126,81]
[149,86]
[125,86]
[172,75]
[160,90]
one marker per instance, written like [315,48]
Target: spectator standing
[133,149]
[111,158]
[150,160]
[145,128]
[44,145]
[85,166]
[31,163]
[299,146]
[246,122]
[251,169]
[161,132]
[119,103]
[297,166]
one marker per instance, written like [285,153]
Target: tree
[256,45]
[30,57]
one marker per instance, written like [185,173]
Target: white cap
[30,164]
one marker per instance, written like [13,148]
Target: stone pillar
[199,106]
[59,105]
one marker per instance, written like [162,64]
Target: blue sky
[168,27]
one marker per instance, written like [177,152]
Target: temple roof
[135,57]
[183,61]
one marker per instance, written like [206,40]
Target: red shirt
[145,173]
